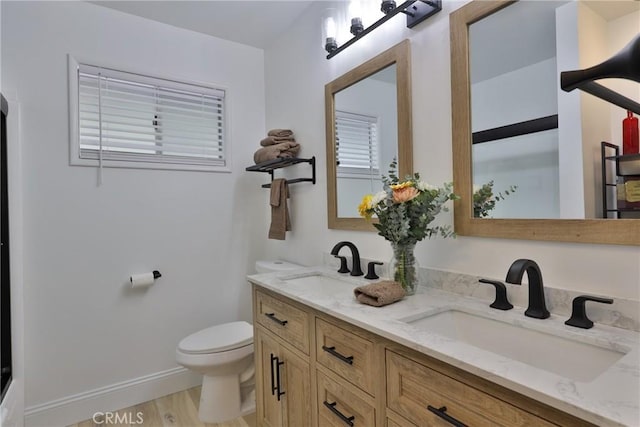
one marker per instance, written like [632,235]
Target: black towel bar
[271,165]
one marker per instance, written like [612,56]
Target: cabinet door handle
[332,407]
[279,391]
[332,351]
[273,378]
[273,317]
[441,412]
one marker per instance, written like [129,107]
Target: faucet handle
[371,270]
[501,302]
[343,264]
[579,317]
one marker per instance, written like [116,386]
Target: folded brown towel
[282,150]
[280,222]
[265,154]
[272,140]
[289,148]
[379,293]
[280,132]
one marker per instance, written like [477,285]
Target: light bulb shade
[355,9]
[387,6]
[330,44]
[329,30]
[355,15]
[356,26]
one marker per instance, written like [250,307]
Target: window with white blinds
[126,117]
[356,143]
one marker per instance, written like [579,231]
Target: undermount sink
[571,359]
[316,280]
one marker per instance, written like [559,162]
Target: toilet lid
[218,338]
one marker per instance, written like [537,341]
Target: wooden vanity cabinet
[340,404]
[420,394]
[335,374]
[283,386]
[347,354]
[289,322]
[283,379]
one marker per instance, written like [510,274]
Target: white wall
[84,329]
[572,198]
[529,162]
[593,48]
[601,269]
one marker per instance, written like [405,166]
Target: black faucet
[356,270]
[537,307]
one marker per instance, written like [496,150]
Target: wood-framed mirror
[368,123]
[466,101]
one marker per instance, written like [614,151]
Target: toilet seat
[218,339]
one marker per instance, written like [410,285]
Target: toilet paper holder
[144,279]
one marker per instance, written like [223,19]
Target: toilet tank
[270,266]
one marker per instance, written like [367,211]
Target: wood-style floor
[175,410]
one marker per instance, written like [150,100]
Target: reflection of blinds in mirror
[356,143]
[139,118]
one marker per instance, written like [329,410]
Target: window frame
[133,163]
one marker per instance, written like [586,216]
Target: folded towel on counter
[280,132]
[379,293]
[282,150]
[272,140]
[280,221]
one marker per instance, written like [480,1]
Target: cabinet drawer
[413,387]
[394,420]
[286,321]
[339,407]
[346,354]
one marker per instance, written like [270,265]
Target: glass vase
[403,267]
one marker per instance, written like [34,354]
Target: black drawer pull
[332,407]
[441,412]
[273,375]
[273,317]
[278,364]
[332,351]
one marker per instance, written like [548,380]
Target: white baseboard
[79,407]
[11,408]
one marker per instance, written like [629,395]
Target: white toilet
[223,354]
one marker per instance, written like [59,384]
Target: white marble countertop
[611,399]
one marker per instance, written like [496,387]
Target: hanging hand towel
[280,222]
[379,293]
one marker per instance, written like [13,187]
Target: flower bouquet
[405,210]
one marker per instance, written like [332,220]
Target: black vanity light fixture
[415,10]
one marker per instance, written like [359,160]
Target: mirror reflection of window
[356,144]
[366,132]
